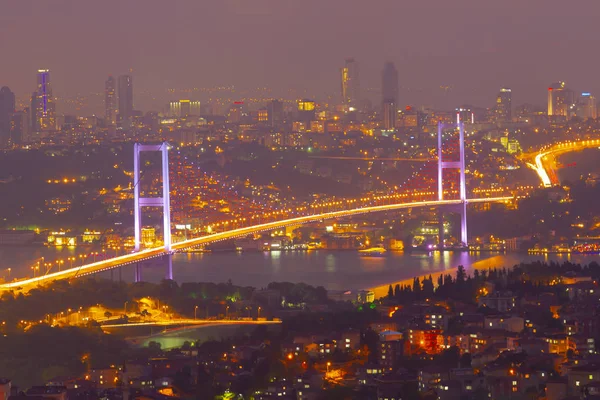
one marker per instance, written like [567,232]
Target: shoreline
[492,262]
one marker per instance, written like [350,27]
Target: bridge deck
[144,255]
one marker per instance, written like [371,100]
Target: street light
[258,315]
[195,309]
[328,365]
[227,312]
[125,308]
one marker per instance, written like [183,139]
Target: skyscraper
[34,124]
[350,83]
[20,127]
[110,101]
[561,101]
[504,105]
[389,95]
[275,112]
[125,100]
[586,106]
[7,109]
[45,111]
[389,83]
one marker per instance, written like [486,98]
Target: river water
[335,270]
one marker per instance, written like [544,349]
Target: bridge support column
[460,165]
[441,229]
[169,274]
[138,272]
[139,202]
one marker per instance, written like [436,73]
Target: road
[545,167]
[128,259]
[189,322]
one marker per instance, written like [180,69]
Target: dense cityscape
[238,243]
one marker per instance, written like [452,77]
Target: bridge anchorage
[163,202]
[456,164]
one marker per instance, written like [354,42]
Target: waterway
[339,270]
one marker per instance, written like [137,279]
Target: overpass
[546,169]
[144,255]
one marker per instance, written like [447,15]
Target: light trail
[189,322]
[128,259]
[541,171]
[372,159]
[556,149]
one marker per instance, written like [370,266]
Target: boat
[373,252]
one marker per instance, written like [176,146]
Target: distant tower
[33,123]
[560,100]
[20,127]
[45,111]
[275,112]
[125,100]
[110,101]
[350,83]
[7,109]
[389,83]
[389,95]
[504,105]
[586,106]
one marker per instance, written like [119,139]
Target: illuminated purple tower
[163,201]
[460,165]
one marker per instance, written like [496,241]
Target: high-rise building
[350,83]
[20,127]
[306,110]
[503,109]
[561,101]
[587,106]
[184,108]
[110,101]
[125,85]
[389,95]
[7,109]
[33,123]
[389,83]
[275,112]
[45,111]
[389,115]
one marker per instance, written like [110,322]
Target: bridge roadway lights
[145,255]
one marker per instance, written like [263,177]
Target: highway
[544,170]
[188,322]
[132,258]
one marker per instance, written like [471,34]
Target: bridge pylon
[163,202]
[460,165]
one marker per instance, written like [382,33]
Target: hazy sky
[474,46]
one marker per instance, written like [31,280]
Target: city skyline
[444,55]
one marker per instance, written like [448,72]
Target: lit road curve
[148,254]
[191,322]
[544,169]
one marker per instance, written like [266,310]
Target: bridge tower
[140,202]
[460,165]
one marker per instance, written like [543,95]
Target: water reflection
[334,270]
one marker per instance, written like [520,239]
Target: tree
[416,285]
[390,292]
[107,314]
[461,275]
[428,286]
[397,291]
